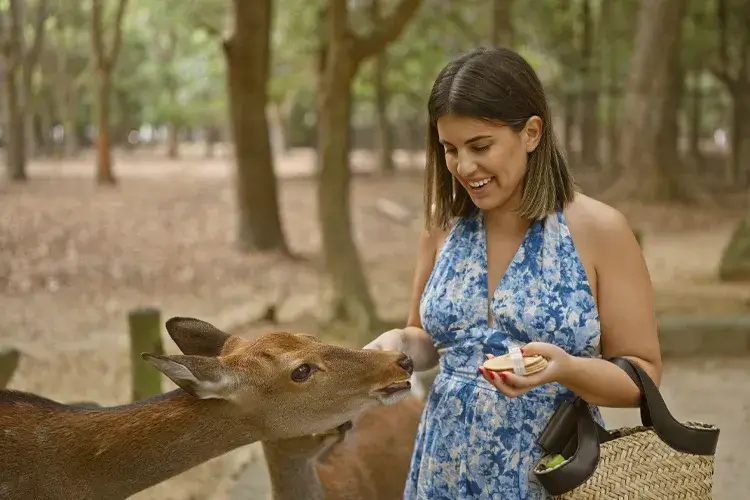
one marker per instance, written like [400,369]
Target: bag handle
[573,433]
[654,413]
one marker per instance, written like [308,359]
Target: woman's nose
[466,167]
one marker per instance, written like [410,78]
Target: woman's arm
[627,316]
[413,340]
[419,345]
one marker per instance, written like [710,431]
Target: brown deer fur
[370,462]
[233,392]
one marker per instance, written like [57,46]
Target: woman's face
[488,160]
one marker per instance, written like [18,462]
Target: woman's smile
[479,185]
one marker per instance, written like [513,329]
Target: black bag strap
[573,433]
[654,413]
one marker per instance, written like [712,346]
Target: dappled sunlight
[261,165]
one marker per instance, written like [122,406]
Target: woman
[512,255]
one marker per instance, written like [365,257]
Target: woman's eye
[302,373]
[480,149]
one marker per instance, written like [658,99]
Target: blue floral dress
[473,442]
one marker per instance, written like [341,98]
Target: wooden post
[9,358]
[145,336]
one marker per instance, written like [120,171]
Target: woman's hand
[392,340]
[512,385]
[412,341]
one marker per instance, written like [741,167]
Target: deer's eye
[302,372]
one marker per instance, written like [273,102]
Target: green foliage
[440,30]
[295,47]
[172,69]
[172,62]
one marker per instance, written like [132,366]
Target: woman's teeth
[478,184]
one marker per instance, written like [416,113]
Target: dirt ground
[74,258]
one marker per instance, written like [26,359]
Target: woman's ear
[533,133]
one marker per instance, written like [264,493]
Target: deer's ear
[199,376]
[196,337]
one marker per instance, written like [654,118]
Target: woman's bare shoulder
[596,218]
[602,234]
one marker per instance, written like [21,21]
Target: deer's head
[288,384]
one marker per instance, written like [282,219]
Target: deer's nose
[406,363]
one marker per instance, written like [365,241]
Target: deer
[231,392]
[364,459]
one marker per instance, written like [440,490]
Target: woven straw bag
[661,460]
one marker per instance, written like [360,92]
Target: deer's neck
[129,448]
[292,478]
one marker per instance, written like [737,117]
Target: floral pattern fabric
[473,442]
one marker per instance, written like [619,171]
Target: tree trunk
[64,88]
[734,73]
[46,122]
[590,98]
[104,174]
[569,120]
[30,141]
[735,260]
[25,92]
[384,141]
[173,141]
[339,60]
[104,65]
[696,119]
[384,137]
[212,133]
[247,53]
[502,23]
[352,301]
[669,135]
[648,150]
[739,161]
[12,46]
[28,67]
[15,142]
[613,130]
[70,124]
[608,63]
[29,106]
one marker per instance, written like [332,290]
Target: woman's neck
[506,221]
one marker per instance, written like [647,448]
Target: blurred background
[258,164]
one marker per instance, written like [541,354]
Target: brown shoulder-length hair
[496,85]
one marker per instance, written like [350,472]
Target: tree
[735,260]
[19,64]
[167,53]
[648,149]
[590,98]
[105,62]
[68,55]
[12,59]
[342,53]
[732,68]
[502,23]
[248,57]
[30,62]
[384,138]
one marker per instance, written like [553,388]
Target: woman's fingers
[509,384]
